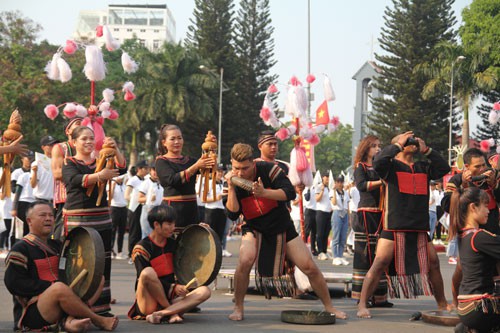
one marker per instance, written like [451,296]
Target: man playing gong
[40,300]
[267,219]
[157,294]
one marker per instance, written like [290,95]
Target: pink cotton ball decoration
[99,31]
[70,110]
[70,47]
[272,89]
[113,114]
[51,111]
[496,106]
[310,78]
[265,114]
[484,145]
[282,134]
[314,140]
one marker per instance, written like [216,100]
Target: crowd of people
[391,208]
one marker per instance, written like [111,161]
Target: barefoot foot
[175,319]
[364,313]
[73,325]
[237,315]
[106,323]
[154,318]
[338,314]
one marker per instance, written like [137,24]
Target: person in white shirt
[353,214]
[118,214]
[340,221]
[150,195]
[439,210]
[199,203]
[433,198]
[134,207]
[42,180]
[309,198]
[23,195]
[295,213]
[323,216]
[215,215]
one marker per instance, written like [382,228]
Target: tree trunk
[133,149]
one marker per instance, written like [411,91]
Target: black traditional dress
[270,222]
[179,188]
[366,230]
[406,217]
[478,304]
[81,210]
[147,253]
[32,267]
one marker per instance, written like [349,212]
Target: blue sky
[341,36]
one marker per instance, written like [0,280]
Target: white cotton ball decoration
[493,117]
[328,90]
[108,95]
[104,106]
[81,111]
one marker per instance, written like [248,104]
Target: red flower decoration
[98,31]
[310,78]
[272,89]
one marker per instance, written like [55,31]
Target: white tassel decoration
[319,129]
[51,67]
[128,86]
[111,43]
[95,68]
[108,95]
[491,141]
[104,106]
[317,179]
[328,90]
[105,114]
[64,70]
[128,64]
[493,117]
[306,178]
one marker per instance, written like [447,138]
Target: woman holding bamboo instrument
[177,175]
[82,210]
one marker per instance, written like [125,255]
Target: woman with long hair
[367,225]
[81,210]
[177,175]
[479,250]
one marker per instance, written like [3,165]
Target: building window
[143,30]
[156,30]
[116,29]
[156,43]
[142,42]
[129,30]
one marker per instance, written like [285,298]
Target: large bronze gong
[82,261]
[198,255]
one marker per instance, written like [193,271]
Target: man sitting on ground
[157,294]
[40,301]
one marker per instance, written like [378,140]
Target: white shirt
[44,188]
[27,192]
[311,203]
[16,173]
[342,202]
[134,182]
[324,204]
[354,195]
[218,191]
[295,211]
[118,199]
[150,188]
[439,196]
[432,197]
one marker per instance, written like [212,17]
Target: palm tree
[470,76]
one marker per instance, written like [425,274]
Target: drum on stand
[81,264]
[198,255]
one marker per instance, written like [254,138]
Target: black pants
[134,228]
[4,236]
[119,220]
[59,221]
[310,227]
[439,213]
[323,227]
[216,219]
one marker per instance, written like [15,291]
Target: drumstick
[78,278]
[192,282]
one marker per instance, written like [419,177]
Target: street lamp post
[450,132]
[221,90]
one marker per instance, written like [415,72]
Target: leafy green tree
[412,29]
[471,77]
[254,46]
[486,130]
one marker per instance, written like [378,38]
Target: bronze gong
[440,318]
[82,261]
[198,255]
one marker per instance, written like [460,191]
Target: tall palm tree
[470,76]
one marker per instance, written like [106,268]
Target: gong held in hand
[209,150]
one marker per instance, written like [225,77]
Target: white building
[152,25]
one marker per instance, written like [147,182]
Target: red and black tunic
[147,253]
[265,215]
[407,190]
[32,267]
[179,189]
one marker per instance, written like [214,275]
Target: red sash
[253,207]
[163,265]
[412,183]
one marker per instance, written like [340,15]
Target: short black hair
[33,204]
[160,214]
[472,152]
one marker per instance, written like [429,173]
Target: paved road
[261,315]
